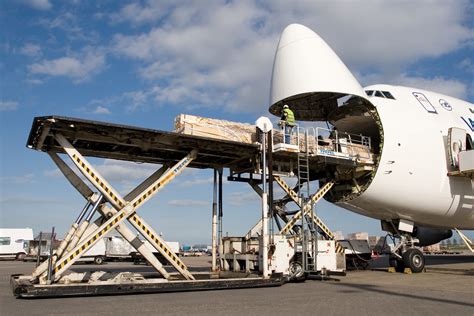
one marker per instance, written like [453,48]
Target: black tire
[414,259]
[398,264]
[296,272]
[98,260]
[20,256]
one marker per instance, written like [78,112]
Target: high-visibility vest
[290,116]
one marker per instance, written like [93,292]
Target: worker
[288,119]
[335,139]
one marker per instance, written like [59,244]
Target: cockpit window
[380,94]
[388,95]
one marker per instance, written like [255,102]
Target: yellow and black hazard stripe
[162,247]
[315,198]
[291,223]
[97,180]
[323,227]
[152,190]
[287,188]
[171,174]
[89,243]
[329,234]
[339,248]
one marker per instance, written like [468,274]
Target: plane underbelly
[411,181]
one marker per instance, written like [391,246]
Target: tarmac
[447,287]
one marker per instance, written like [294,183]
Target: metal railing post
[50,260]
[39,249]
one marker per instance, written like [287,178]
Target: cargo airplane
[422,185]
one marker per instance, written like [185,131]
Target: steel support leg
[214,223]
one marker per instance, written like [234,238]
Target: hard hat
[286,106]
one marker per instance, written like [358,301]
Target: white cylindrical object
[214,224]
[264,250]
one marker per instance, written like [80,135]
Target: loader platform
[23,288]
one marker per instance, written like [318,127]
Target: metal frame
[113,217]
[307,207]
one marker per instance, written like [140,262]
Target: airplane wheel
[414,259]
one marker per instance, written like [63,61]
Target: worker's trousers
[288,132]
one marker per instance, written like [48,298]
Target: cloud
[383,33]
[137,98]
[196,182]
[242,198]
[38,4]
[54,173]
[447,86]
[139,14]
[451,87]
[101,110]
[28,200]
[466,65]
[79,68]
[23,179]
[130,100]
[34,81]
[220,55]
[124,171]
[187,203]
[8,105]
[65,21]
[69,25]
[122,175]
[197,61]
[31,50]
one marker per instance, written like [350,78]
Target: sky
[142,63]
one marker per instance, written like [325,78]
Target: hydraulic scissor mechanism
[324,230]
[84,233]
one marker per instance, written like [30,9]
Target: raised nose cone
[309,76]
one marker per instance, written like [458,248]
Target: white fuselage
[411,181]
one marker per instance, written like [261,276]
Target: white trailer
[172,246]
[14,242]
[118,248]
[109,248]
[96,254]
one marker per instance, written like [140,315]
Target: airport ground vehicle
[172,245]
[112,248]
[14,242]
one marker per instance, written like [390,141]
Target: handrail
[324,140]
[343,142]
[294,130]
